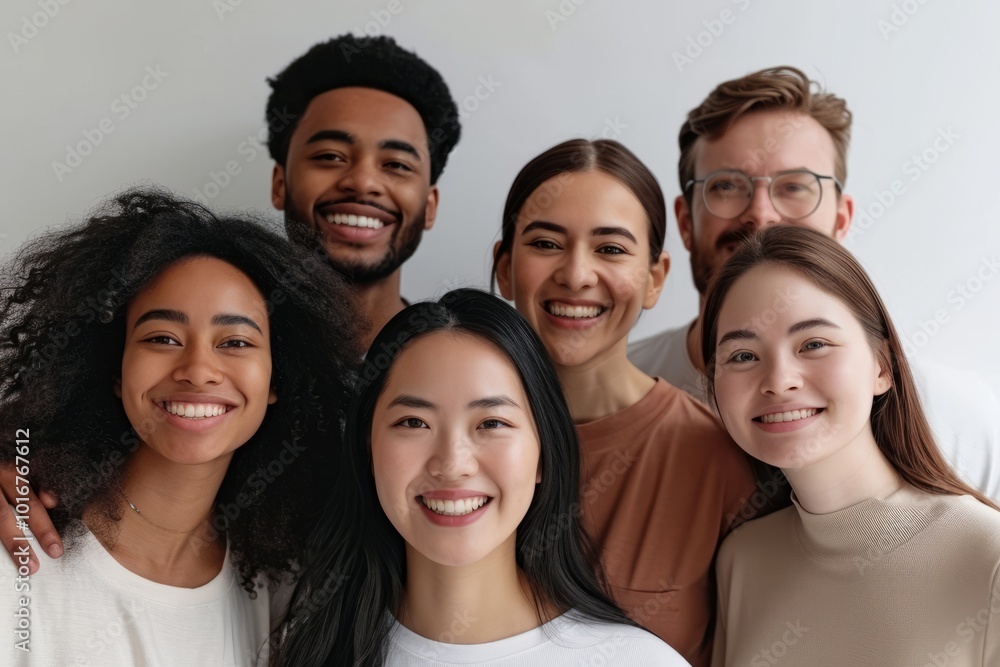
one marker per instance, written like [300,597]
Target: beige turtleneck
[911,580]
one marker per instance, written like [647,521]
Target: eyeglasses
[794,194]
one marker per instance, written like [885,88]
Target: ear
[278,187]
[538,475]
[684,224]
[883,377]
[504,281]
[272,396]
[845,215]
[431,209]
[116,388]
[657,276]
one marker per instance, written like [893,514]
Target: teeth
[562,310]
[354,220]
[790,416]
[459,507]
[195,410]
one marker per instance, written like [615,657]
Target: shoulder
[657,343]
[967,523]
[757,538]
[616,643]
[683,418]
[961,409]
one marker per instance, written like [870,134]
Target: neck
[853,474]
[379,300]
[603,386]
[170,539]
[470,604]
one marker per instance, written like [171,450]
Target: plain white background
[913,73]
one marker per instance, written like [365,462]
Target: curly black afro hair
[63,301]
[368,62]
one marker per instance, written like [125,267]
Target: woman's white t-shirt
[565,641]
[86,609]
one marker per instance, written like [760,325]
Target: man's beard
[701,266]
[402,244]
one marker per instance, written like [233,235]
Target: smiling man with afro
[360,131]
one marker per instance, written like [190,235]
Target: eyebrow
[347,138]
[224,319]
[559,229]
[229,320]
[747,334]
[408,401]
[494,402]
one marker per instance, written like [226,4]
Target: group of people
[257,452]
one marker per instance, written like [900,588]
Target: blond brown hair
[784,88]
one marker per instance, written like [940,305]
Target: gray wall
[912,72]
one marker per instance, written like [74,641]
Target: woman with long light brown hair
[887,557]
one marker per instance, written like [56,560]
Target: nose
[781,375]
[361,177]
[198,365]
[761,212]
[453,459]
[576,270]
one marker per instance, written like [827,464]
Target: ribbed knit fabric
[910,580]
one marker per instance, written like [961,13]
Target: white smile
[354,220]
[459,507]
[573,312]
[790,416]
[195,410]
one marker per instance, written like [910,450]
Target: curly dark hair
[368,62]
[63,300]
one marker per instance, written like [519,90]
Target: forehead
[768,298]
[367,114]
[201,285]
[584,199]
[762,142]
[453,367]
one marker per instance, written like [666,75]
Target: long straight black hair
[353,573]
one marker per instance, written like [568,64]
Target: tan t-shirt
[662,484]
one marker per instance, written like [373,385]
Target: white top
[963,411]
[86,609]
[564,641]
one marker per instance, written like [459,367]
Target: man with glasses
[768,149]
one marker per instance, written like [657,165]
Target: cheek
[262,379]
[630,281]
[393,473]
[731,392]
[519,466]
[526,274]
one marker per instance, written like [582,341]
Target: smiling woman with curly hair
[177,380]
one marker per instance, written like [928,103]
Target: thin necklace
[143,516]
